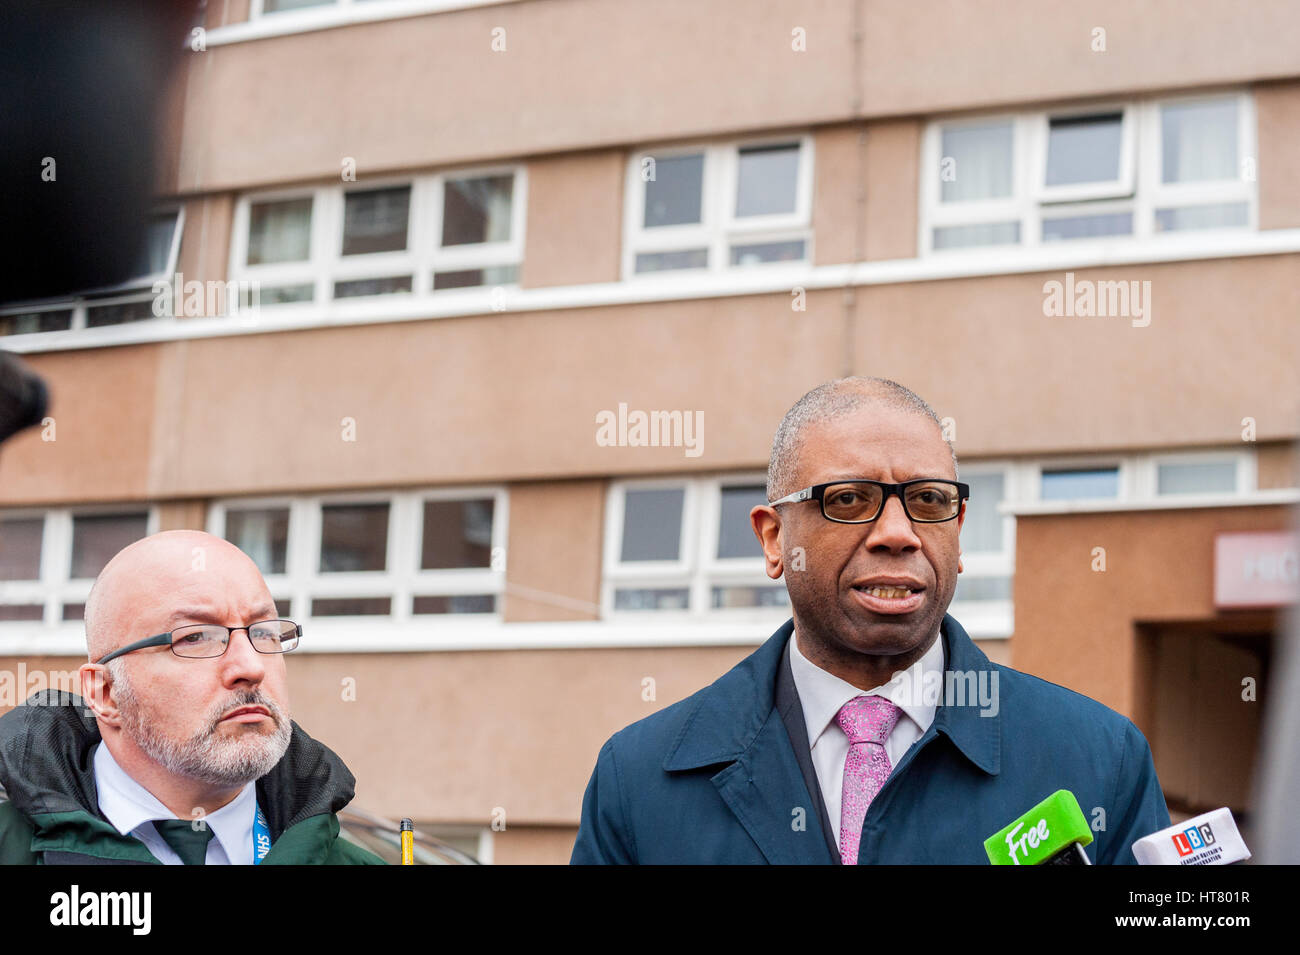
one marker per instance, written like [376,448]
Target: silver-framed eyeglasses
[925,500]
[200,640]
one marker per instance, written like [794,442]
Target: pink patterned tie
[867,721]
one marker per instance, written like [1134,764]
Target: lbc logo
[1189,840]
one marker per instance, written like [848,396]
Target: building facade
[472,323]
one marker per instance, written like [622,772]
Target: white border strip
[265,25]
[1166,502]
[363,636]
[759,281]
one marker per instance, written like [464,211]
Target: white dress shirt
[131,809]
[821,695]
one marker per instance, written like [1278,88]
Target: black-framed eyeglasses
[925,500]
[200,640]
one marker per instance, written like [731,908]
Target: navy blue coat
[725,775]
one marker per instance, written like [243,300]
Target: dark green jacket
[52,814]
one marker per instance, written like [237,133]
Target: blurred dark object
[23,397]
[80,86]
[1277,780]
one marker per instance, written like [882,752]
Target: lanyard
[261,837]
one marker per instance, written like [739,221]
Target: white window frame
[261,23]
[1125,483]
[257,8]
[1211,192]
[698,569]
[936,214]
[1138,188]
[424,253]
[139,288]
[647,574]
[458,581]
[991,618]
[401,581]
[719,227]
[1118,188]
[1244,461]
[56,587]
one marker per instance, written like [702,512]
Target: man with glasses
[869,728]
[180,749]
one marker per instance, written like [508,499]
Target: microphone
[1208,839]
[23,397]
[1052,833]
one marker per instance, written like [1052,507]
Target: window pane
[279,231]
[353,537]
[273,6]
[21,324]
[674,195]
[356,288]
[733,597]
[1220,215]
[735,533]
[1198,141]
[663,598]
[471,278]
[759,252]
[982,588]
[1205,478]
[262,534]
[667,261]
[156,254]
[652,524]
[15,612]
[766,180]
[74,611]
[981,162]
[20,548]
[375,221]
[982,529]
[96,538]
[460,603]
[967,236]
[1088,227]
[350,606]
[457,534]
[1083,149]
[120,313]
[1083,483]
[477,210]
[284,294]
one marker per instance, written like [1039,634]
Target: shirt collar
[822,694]
[128,805]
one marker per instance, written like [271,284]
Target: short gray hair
[832,400]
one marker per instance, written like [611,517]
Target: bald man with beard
[180,749]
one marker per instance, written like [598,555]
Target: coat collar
[731,714]
[976,731]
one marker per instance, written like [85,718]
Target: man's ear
[961,519]
[97,691]
[767,528]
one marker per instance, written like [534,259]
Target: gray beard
[206,756]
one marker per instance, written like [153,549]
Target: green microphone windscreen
[1051,826]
